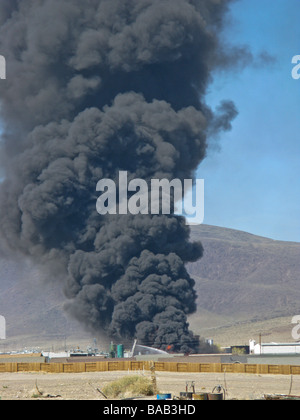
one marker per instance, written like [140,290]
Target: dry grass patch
[129,386]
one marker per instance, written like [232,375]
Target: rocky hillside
[246,276]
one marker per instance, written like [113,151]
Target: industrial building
[274,348]
[255,353]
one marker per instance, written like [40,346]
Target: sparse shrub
[129,386]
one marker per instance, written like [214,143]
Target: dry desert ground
[83,386]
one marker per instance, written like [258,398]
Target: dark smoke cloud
[93,88]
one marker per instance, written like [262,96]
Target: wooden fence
[107,366]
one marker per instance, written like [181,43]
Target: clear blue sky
[252,177]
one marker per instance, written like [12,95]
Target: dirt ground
[83,386]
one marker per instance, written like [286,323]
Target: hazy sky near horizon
[252,173]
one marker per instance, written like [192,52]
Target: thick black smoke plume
[95,87]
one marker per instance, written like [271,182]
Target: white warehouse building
[274,348]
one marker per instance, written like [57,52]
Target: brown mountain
[246,285]
[246,275]
[241,278]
